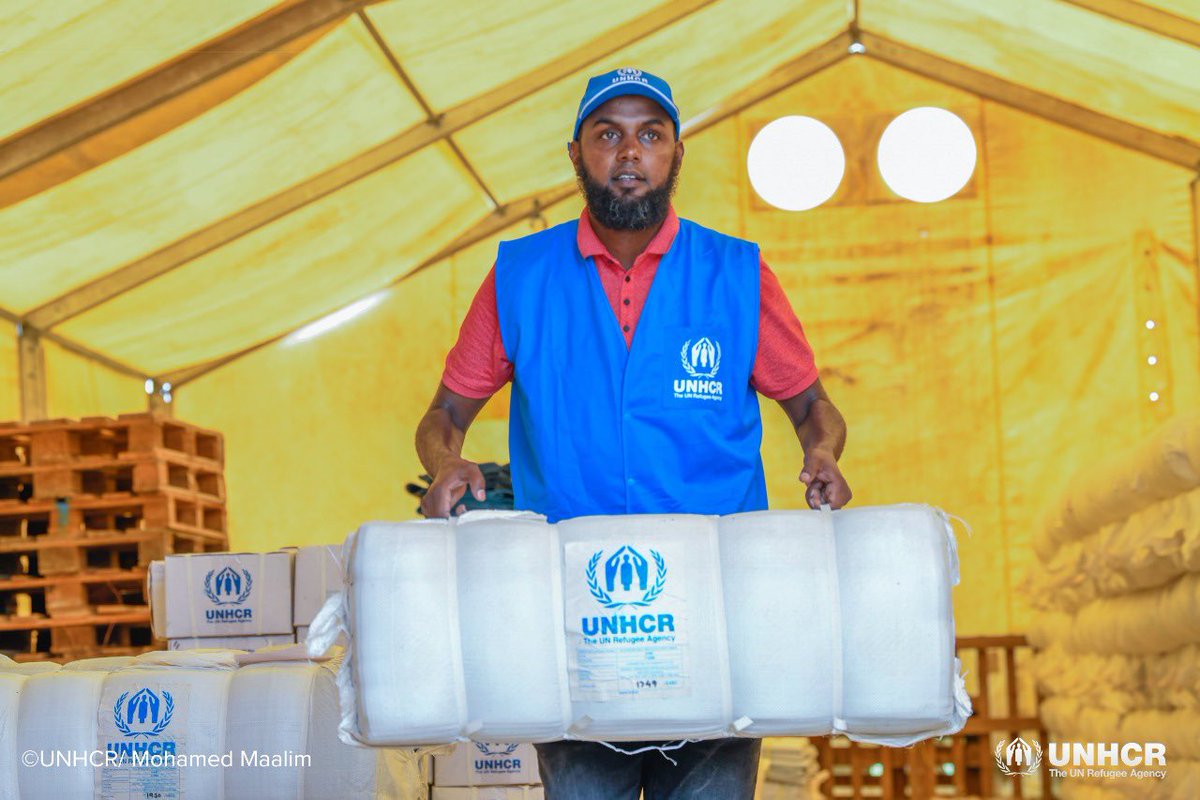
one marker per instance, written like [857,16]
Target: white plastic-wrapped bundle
[839,621]
[407,665]
[645,627]
[158,711]
[874,656]
[57,713]
[292,708]
[510,611]
[777,569]
[12,680]
[896,567]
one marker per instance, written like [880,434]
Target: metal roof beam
[1174,149]
[292,199]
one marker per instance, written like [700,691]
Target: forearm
[822,428]
[437,438]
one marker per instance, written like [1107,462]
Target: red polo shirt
[478,366]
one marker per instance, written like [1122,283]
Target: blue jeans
[718,769]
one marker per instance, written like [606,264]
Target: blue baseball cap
[619,82]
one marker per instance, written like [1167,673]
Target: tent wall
[79,387]
[981,348]
[10,385]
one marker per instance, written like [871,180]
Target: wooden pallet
[170,507]
[59,441]
[58,554]
[950,766]
[102,476]
[80,636]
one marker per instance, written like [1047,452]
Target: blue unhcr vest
[670,424]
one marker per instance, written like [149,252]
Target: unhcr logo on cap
[629,74]
[146,714]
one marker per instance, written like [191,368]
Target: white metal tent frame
[22,154]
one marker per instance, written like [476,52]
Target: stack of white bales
[263,719]
[1118,591]
[650,627]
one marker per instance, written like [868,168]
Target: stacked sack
[262,718]
[498,626]
[1118,595]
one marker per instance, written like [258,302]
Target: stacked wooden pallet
[85,506]
[962,765]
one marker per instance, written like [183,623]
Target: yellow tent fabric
[982,348]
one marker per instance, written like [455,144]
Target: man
[603,421]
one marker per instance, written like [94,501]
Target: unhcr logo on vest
[700,360]
[228,588]
[626,582]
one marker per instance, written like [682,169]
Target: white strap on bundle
[558,625]
[190,594]
[835,598]
[262,576]
[465,726]
[722,631]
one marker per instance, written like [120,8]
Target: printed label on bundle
[626,619]
[143,731]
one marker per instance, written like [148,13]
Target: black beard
[618,214]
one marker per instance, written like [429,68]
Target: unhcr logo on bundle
[145,714]
[626,582]
[700,360]
[228,588]
[1084,759]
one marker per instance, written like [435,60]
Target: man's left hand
[824,480]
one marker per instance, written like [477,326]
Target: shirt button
[631,481]
[626,301]
[626,329]
[628,279]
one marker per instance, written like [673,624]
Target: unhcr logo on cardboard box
[496,759]
[626,582]
[228,588]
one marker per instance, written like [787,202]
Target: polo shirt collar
[590,245]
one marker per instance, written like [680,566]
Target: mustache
[627,214]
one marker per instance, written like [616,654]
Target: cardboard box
[318,575]
[488,793]
[486,764]
[232,642]
[156,590]
[229,594]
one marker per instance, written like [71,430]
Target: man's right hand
[454,477]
